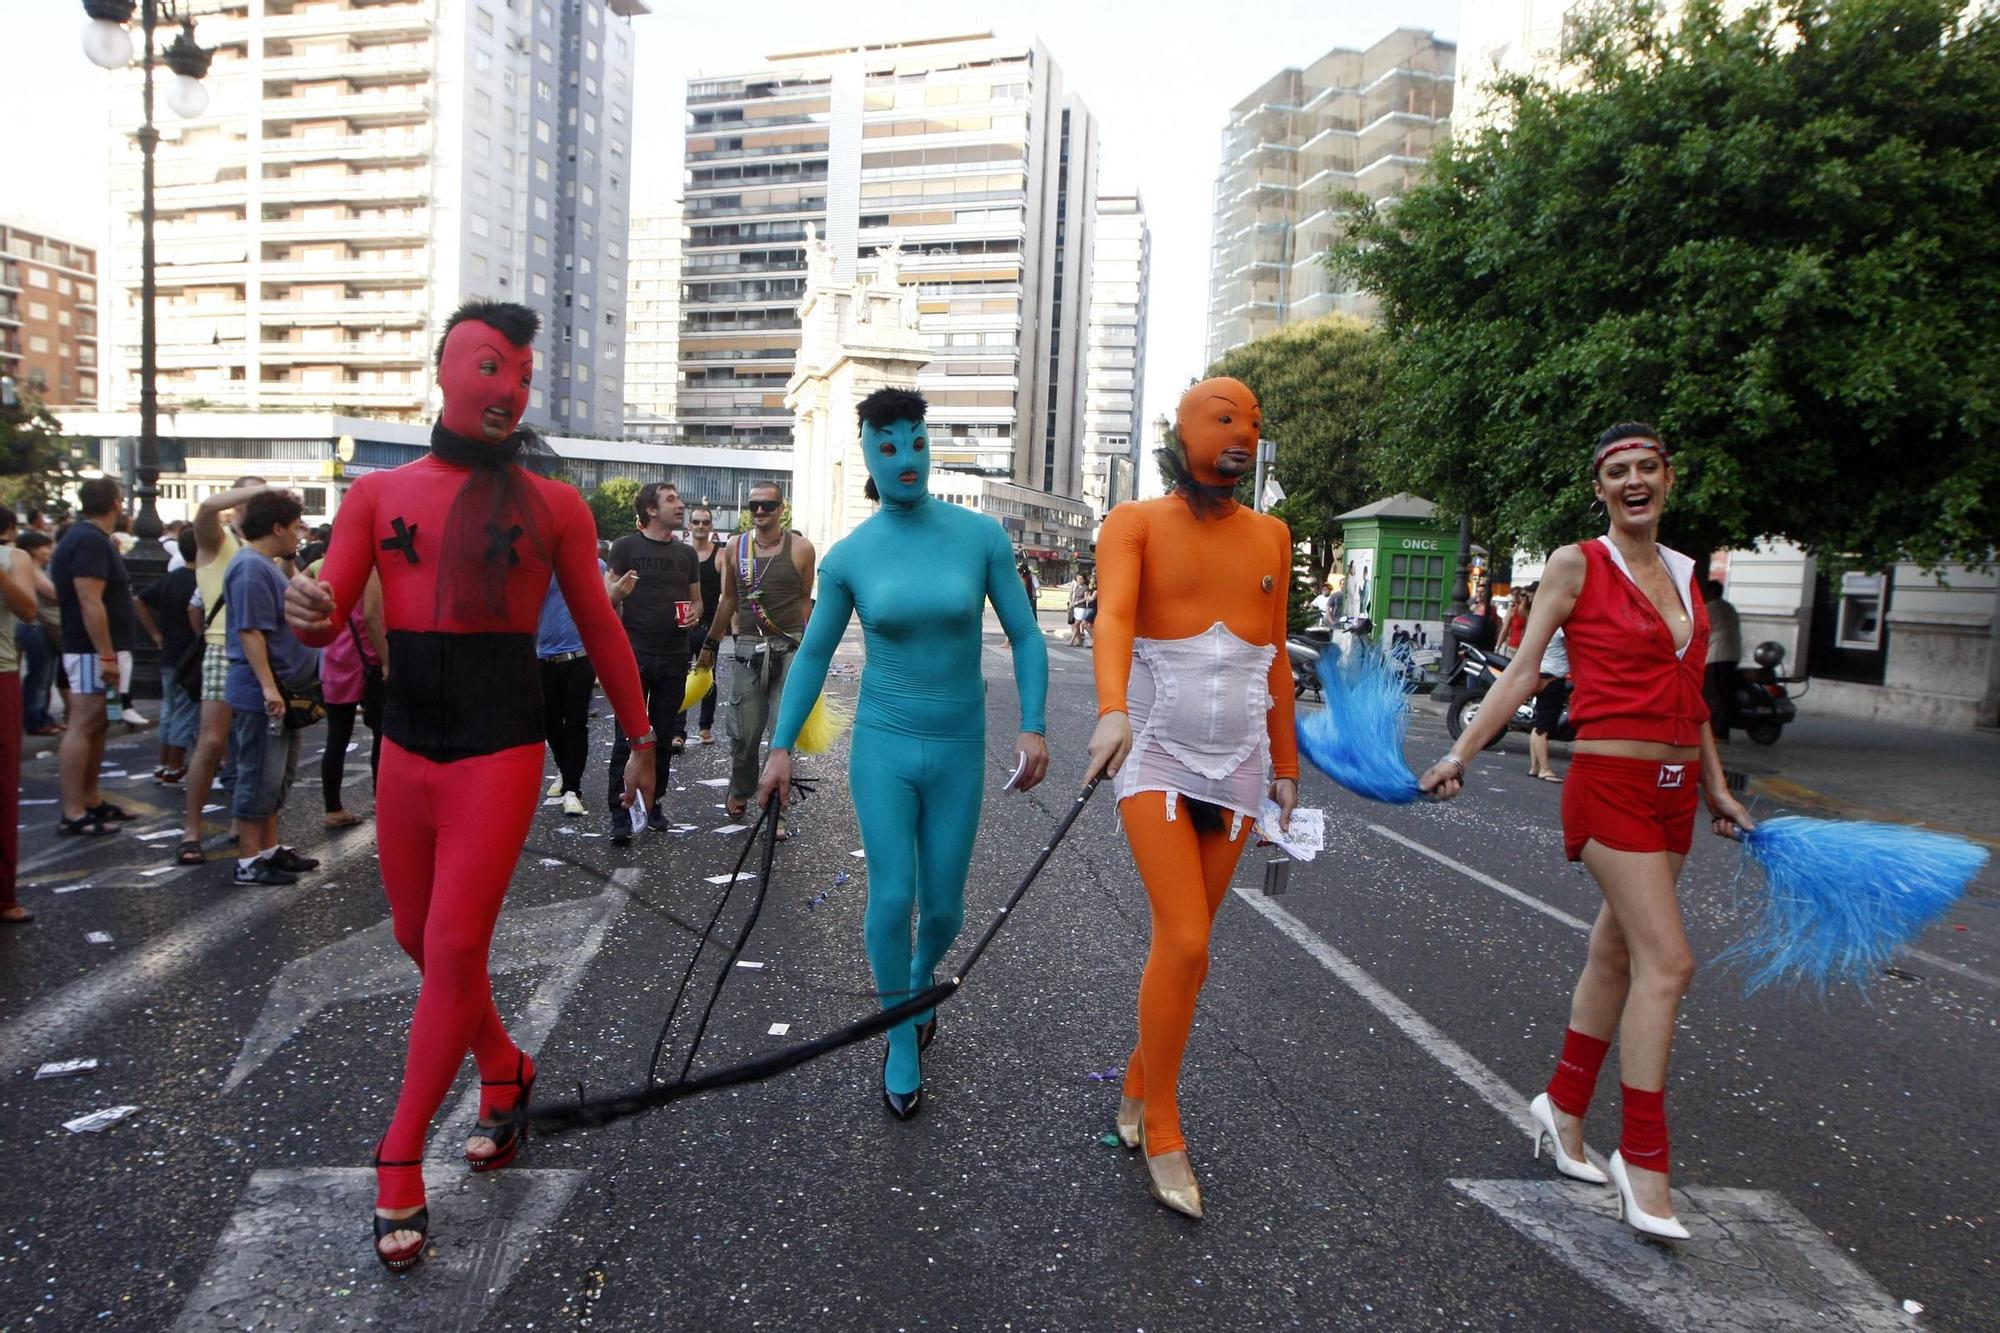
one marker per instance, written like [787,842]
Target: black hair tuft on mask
[885,407]
[517,322]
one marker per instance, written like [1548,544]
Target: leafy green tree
[611,504]
[1773,237]
[33,454]
[1317,383]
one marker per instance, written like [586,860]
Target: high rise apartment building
[362,168]
[653,320]
[1121,265]
[967,158]
[48,315]
[1362,121]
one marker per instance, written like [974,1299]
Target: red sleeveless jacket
[1629,684]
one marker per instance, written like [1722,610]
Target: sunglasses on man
[762,506]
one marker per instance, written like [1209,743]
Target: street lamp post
[108,43]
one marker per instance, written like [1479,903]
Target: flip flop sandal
[18,916]
[678,745]
[190,853]
[89,824]
[105,810]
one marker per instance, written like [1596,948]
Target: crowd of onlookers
[236,685]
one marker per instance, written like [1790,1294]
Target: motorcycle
[1478,670]
[1761,707]
[1307,646]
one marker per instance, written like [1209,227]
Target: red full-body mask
[485,379]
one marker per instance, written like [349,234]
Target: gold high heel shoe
[1171,1178]
[1130,1112]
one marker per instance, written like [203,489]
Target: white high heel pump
[1662,1228]
[1576,1168]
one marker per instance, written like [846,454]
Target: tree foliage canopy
[33,453]
[1317,383]
[1774,237]
[611,504]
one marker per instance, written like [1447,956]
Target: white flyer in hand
[1020,767]
[1304,840]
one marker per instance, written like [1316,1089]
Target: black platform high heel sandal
[902,1105]
[508,1135]
[402,1260]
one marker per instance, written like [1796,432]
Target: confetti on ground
[732,828]
[97,937]
[1110,1140]
[744,962]
[74,888]
[741,875]
[709,782]
[50,800]
[861,852]
[779,1029]
[96,1120]
[60,1068]
[1106,1075]
[1913,1307]
[157,871]
[158,834]
[551,861]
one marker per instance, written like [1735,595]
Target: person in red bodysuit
[465,541]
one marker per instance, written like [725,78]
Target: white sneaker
[573,804]
[555,785]
[133,718]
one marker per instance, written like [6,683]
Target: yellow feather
[699,682]
[823,726]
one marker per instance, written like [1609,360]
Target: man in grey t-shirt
[656,586]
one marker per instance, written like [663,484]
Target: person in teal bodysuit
[919,573]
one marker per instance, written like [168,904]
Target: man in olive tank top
[767,579]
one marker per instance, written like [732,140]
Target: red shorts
[1628,805]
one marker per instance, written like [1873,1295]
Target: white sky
[1159,75]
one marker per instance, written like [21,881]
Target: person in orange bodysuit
[1194,703]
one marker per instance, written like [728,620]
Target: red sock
[1575,1080]
[1645,1139]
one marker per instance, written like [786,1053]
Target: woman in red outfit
[1631,612]
[465,541]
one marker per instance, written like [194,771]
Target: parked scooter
[1761,707]
[1307,646]
[1477,670]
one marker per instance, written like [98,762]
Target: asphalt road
[1351,1093]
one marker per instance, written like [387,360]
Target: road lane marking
[1467,1068]
[1755,1262]
[1481,877]
[294,1255]
[128,980]
[545,1006]
[1578,924]
[369,962]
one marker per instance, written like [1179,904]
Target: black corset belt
[457,696]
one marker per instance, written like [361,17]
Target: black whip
[603,1110]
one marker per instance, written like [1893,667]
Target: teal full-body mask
[919,574]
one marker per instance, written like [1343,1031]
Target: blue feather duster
[1357,739]
[1841,896]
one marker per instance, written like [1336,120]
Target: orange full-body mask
[1192,592]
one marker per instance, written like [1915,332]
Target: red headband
[1632,442]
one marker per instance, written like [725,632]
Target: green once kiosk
[1398,566]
